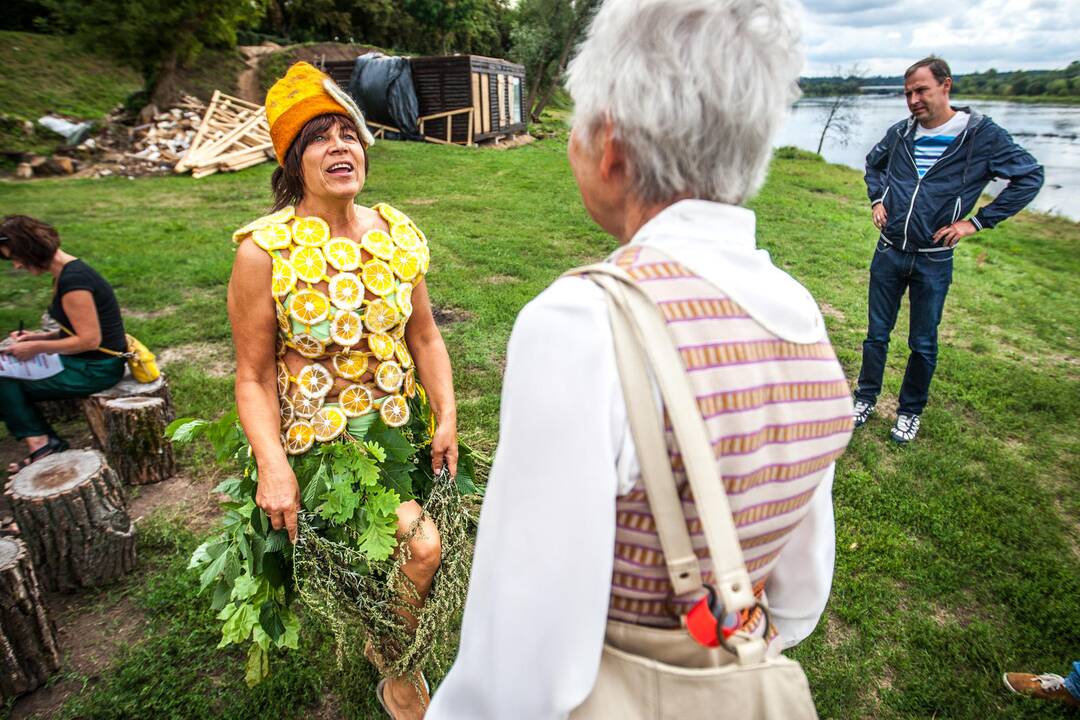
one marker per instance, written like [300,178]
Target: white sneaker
[863,411]
[905,429]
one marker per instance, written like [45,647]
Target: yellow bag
[141,362]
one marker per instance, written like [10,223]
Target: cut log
[135,442]
[72,514]
[28,644]
[61,410]
[94,406]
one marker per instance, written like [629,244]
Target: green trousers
[79,378]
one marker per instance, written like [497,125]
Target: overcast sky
[885,36]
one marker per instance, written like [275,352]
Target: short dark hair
[287,182]
[938,68]
[30,241]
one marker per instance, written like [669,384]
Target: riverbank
[958,557]
[1071,100]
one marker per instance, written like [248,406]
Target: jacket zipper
[918,183]
[956,210]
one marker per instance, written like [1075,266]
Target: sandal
[53,445]
[382,687]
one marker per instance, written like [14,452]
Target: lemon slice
[394,411]
[381,345]
[342,253]
[272,237]
[280,347]
[299,437]
[391,215]
[309,264]
[283,279]
[314,381]
[346,292]
[305,407]
[350,365]
[282,316]
[405,264]
[405,237]
[403,298]
[283,378]
[329,423]
[346,328]
[388,376]
[419,233]
[288,414]
[310,231]
[308,345]
[408,386]
[378,277]
[401,352]
[380,316]
[309,306]
[378,243]
[425,258]
[356,400]
[398,333]
[283,215]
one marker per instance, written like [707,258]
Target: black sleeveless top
[77,275]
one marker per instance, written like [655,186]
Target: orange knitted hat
[304,93]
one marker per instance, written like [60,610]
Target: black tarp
[383,88]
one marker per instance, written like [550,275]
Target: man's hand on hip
[880,216]
[951,234]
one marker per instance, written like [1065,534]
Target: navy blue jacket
[917,208]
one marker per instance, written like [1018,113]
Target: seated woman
[86,308]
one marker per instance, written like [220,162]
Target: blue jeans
[1072,683]
[926,277]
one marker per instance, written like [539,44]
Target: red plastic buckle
[705,620]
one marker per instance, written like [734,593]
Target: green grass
[958,557]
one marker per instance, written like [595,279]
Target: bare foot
[403,700]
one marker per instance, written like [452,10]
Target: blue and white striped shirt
[930,143]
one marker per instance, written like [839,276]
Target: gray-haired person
[676,103]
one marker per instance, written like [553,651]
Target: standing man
[924,176]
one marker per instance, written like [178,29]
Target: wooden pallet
[233,135]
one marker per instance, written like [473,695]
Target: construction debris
[233,135]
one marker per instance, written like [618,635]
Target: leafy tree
[544,35]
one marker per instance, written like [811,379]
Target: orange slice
[305,407]
[314,381]
[409,384]
[346,292]
[380,316]
[299,437]
[378,277]
[405,236]
[394,411]
[381,345]
[272,237]
[350,365]
[401,352]
[281,216]
[329,423]
[283,279]
[288,414]
[342,253]
[403,298]
[310,231]
[309,264]
[405,264]
[356,400]
[308,345]
[388,376]
[378,243]
[309,306]
[346,328]
[391,215]
[283,379]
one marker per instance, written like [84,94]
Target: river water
[1049,132]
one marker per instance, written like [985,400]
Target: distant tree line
[1050,83]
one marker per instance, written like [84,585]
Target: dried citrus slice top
[378,278]
[345,291]
[388,376]
[409,385]
[299,437]
[283,279]
[305,407]
[272,237]
[309,306]
[342,253]
[381,345]
[403,298]
[287,412]
[346,329]
[391,215]
[425,258]
[378,243]
[405,236]
[350,365]
[380,316]
[405,264]
[310,231]
[282,317]
[314,381]
[329,423]
[398,333]
[283,378]
[356,400]
[401,352]
[308,345]
[309,264]
[394,411]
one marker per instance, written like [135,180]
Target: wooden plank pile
[233,135]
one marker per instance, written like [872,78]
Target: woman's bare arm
[82,314]
[433,363]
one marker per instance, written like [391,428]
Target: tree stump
[72,514]
[135,442]
[95,411]
[28,645]
[61,410]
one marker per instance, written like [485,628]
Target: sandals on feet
[381,687]
[53,445]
